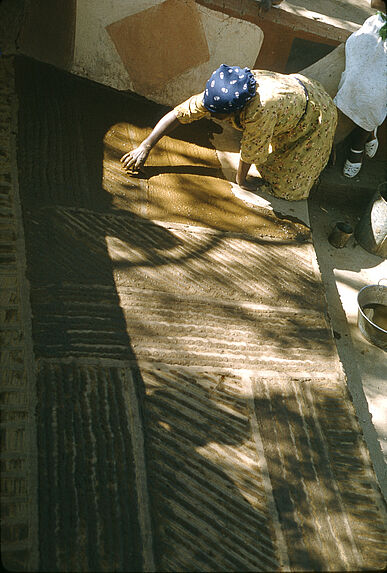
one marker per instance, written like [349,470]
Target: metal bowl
[372,313]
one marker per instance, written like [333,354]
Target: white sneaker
[371,147]
[350,170]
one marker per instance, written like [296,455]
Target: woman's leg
[354,161]
[359,139]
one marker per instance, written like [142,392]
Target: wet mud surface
[192,413]
[182,182]
[94,126]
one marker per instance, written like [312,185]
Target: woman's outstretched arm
[243,169]
[137,157]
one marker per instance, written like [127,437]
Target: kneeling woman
[287,123]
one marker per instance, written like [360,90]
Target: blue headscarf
[229,89]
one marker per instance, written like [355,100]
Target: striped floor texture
[192,413]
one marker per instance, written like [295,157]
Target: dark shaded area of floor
[71,117]
[88,496]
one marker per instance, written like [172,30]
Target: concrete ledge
[294,17]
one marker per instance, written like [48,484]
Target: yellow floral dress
[286,137]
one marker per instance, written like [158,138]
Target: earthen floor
[174,399]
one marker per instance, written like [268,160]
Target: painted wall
[48,30]
[162,49]
[166,49]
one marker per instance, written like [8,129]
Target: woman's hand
[254,184]
[241,174]
[249,186]
[136,158]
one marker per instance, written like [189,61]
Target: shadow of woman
[88,384]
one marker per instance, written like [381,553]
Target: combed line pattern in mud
[176,330]
[311,442]
[210,501]
[210,334]
[19,522]
[111,289]
[90,516]
[172,259]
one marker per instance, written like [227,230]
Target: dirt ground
[191,408]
